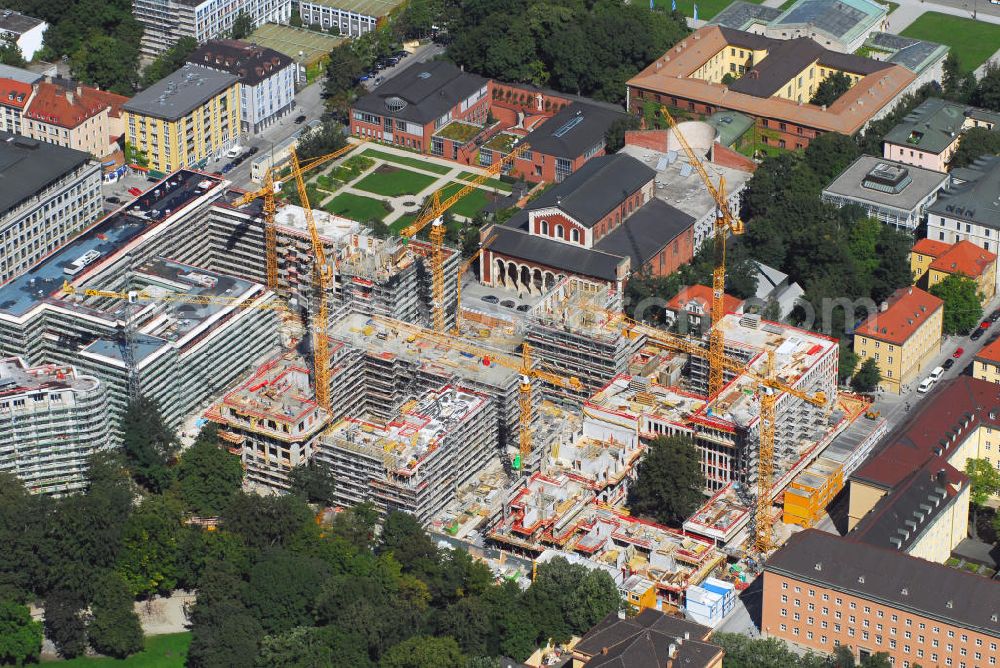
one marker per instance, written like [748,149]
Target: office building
[929,135]
[66,113]
[902,336]
[968,211]
[267,79]
[185,119]
[54,419]
[47,194]
[352,18]
[25,31]
[895,193]
[166,21]
[822,592]
[933,261]
[769,80]
[431,107]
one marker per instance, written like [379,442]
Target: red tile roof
[703,295]
[68,105]
[931,247]
[908,309]
[964,258]
[14,93]
[990,353]
[959,407]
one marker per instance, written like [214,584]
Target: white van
[234,151]
[936,373]
[925,385]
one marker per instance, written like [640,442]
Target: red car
[135,192]
[985,324]
[958,352]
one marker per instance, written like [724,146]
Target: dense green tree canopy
[169,61]
[149,444]
[670,482]
[975,143]
[64,623]
[868,376]
[987,92]
[423,652]
[313,482]
[242,26]
[208,475]
[20,637]
[151,541]
[962,309]
[114,629]
[831,88]
[10,53]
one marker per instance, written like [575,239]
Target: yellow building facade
[186,119]
[986,365]
[902,338]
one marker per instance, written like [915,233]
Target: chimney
[69,96]
[604,650]
[79,90]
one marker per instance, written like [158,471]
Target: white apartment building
[166,21]
[352,17]
[26,31]
[51,420]
[969,209]
[49,193]
[267,79]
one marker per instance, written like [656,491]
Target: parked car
[228,167]
[948,363]
[490,299]
[978,334]
[523,308]
[134,192]
[995,315]
[958,353]
[113,200]
[985,324]
[253,150]
[299,120]
[508,303]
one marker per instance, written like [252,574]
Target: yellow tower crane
[768,387]
[432,213]
[725,223]
[266,192]
[522,365]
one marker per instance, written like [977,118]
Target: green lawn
[167,651]
[356,207]
[972,41]
[402,222]
[469,205]
[706,8]
[488,183]
[393,181]
[425,165]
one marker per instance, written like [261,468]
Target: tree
[951,77]
[962,308]
[20,637]
[242,26]
[846,362]
[614,136]
[868,377]
[169,61]
[148,443]
[327,138]
[114,629]
[301,647]
[107,63]
[830,154]
[282,589]
[974,144]
[149,563]
[830,89]
[745,652]
[23,527]
[64,623]
[263,522]
[313,482]
[403,536]
[984,482]
[223,635]
[670,481]
[423,652]
[10,53]
[208,476]
[987,93]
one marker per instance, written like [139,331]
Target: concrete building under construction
[568,331]
[416,461]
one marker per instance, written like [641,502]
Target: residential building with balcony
[902,336]
[185,119]
[166,21]
[49,193]
[54,419]
[267,79]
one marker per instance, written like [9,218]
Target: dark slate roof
[782,63]
[739,15]
[891,578]
[644,641]
[747,40]
[848,62]
[556,254]
[597,188]
[426,91]
[29,166]
[975,201]
[251,63]
[577,128]
[16,22]
[943,414]
[643,235]
[931,127]
[918,501]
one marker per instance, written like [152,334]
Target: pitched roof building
[691,308]
[929,135]
[773,83]
[14,97]
[651,639]
[602,222]
[969,210]
[986,364]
